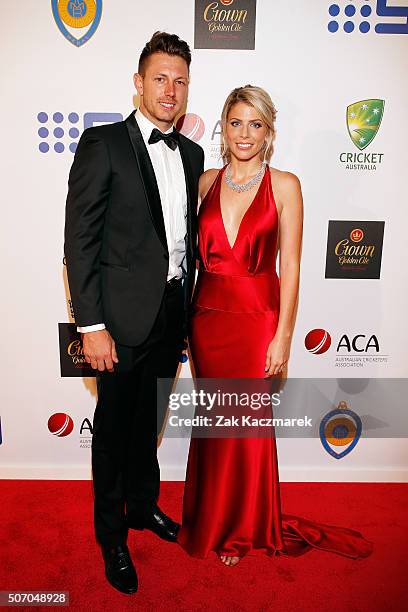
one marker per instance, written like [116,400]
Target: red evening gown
[231,498]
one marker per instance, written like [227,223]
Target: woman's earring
[224,149]
[264,147]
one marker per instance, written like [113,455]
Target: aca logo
[340,430]
[72,16]
[318,341]
[363,120]
[215,147]
[191,126]
[59,132]
[85,434]
[369,15]
[357,350]
[60,424]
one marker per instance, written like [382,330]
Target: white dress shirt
[169,171]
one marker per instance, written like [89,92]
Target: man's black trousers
[126,474]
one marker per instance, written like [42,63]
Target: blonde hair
[261,101]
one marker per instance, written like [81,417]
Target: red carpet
[47,543]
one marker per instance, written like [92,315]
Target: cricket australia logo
[77,20]
[363,121]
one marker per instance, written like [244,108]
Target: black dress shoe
[119,569]
[159,523]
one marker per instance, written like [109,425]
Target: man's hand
[100,350]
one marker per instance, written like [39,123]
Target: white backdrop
[312,76]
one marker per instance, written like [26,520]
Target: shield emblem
[77,20]
[340,429]
[363,121]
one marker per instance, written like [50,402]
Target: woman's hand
[277,356]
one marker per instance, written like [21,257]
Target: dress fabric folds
[231,499]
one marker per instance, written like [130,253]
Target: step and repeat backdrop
[337,75]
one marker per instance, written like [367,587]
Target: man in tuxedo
[130,237]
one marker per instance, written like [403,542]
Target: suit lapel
[148,177]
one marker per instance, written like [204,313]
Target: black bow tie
[171,139]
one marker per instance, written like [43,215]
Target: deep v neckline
[250,206]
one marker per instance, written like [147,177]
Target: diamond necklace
[244,186]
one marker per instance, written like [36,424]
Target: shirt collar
[146,126]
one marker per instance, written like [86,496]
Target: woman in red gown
[242,323]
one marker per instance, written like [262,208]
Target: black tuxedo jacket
[115,241]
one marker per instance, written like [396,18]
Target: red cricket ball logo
[191,126]
[60,424]
[318,341]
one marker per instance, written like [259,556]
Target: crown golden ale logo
[76,352]
[72,358]
[225,24]
[357,235]
[354,251]
[349,253]
[224,20]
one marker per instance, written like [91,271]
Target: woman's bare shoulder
[283,180]
[206,180]
[287,190]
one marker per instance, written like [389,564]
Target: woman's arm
[205,182]
[288,197]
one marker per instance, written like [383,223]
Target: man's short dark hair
[162,42]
